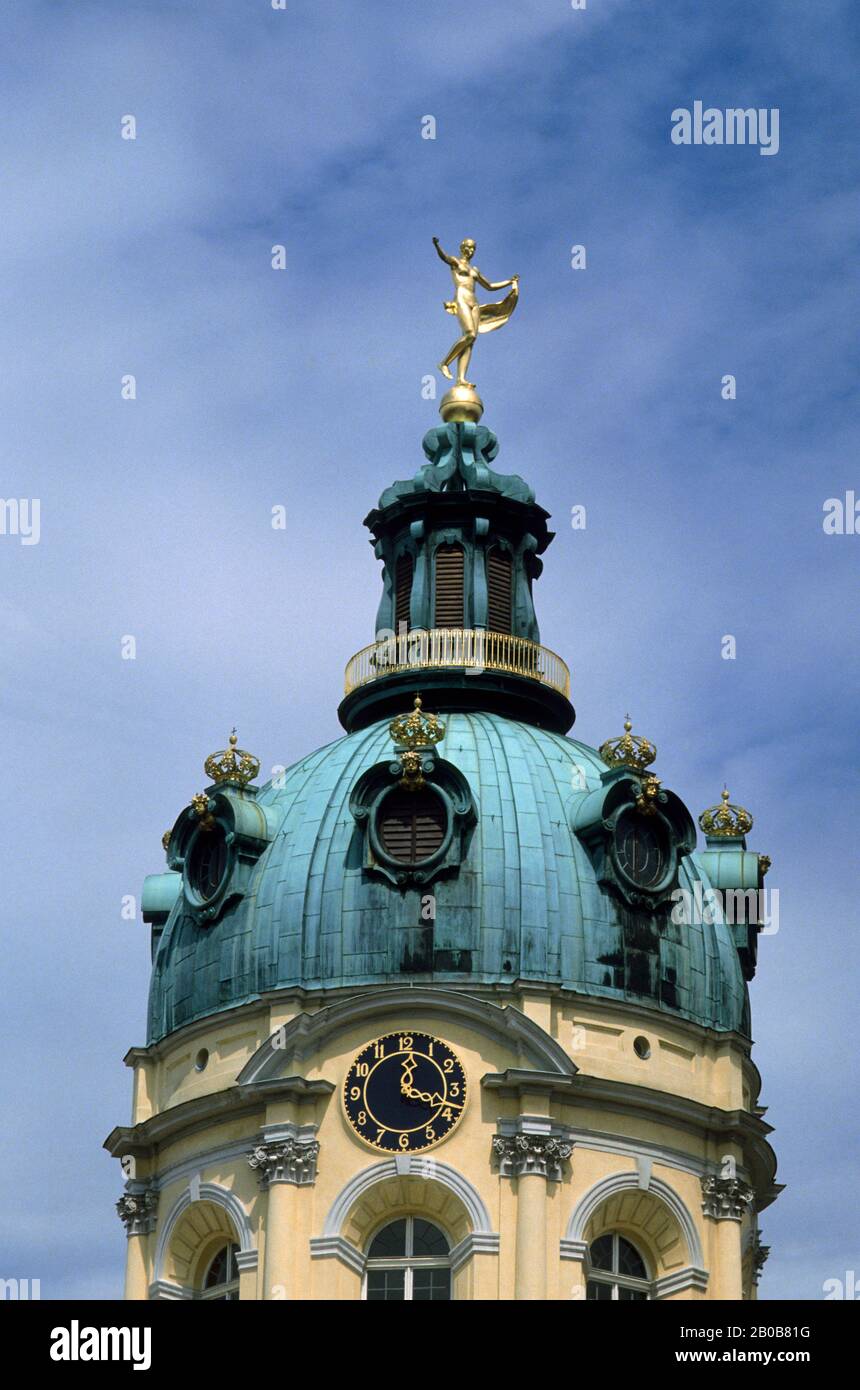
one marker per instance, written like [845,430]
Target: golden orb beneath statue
[461,403]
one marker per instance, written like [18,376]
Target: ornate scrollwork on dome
[726,820]
[630,750]
[232,765]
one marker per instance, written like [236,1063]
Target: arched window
[499,590]
[449,608]
[408,1261]
[412,825]
[402,592]
[221,1283]
[616,1271]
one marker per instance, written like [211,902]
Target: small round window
[207,862]
[412,825]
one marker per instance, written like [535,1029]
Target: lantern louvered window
[499,586]
[412,826]
[403,592]
[449,586]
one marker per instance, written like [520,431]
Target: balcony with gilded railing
[460,649]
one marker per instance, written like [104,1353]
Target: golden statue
[474,318]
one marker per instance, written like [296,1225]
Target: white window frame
[408,1262]
[614,1279]
[229,1291]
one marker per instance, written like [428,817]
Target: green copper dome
[520,892]
[495,851]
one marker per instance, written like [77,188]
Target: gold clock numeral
[403,1141]
[447,1113]
[362,1069]
[448,1064]
[429,1134]
[455,1088]
[355,1092]
[362,1117]
[406,1043]
[379,1136]
[379,1048]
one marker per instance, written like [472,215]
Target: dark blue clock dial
[404,1092]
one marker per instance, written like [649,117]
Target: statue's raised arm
[443,255]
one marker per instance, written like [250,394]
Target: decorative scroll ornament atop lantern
[726,821]
[630,750]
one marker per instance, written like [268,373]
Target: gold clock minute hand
[430,1098]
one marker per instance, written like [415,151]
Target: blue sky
[303,388]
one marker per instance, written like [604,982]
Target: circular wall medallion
[404,1092]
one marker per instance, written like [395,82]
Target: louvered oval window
[402,592]
[499,590]
[412,825]
[207,863]
[449,586]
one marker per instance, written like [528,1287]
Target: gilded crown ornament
[726,820]
[630,750]
[416,729]
[412,733]
[232,764]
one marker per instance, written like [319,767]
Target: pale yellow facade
[585,1116]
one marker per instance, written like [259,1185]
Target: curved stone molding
[725,1199]
[304,1034]
[408,1166]
[202,1192]
[594,1198]
[136,1209]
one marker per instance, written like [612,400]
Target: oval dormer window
[207,862]
[412,825]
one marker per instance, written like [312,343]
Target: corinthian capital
[136,1210]
[293,1159]
[523,1153]
[725,1199]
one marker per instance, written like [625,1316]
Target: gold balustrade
[446,648]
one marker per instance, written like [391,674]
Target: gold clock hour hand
[408,1071]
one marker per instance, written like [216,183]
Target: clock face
[640,846]
[404,1092]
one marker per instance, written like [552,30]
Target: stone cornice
[623,1097]
[508,991]
[191,1116]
